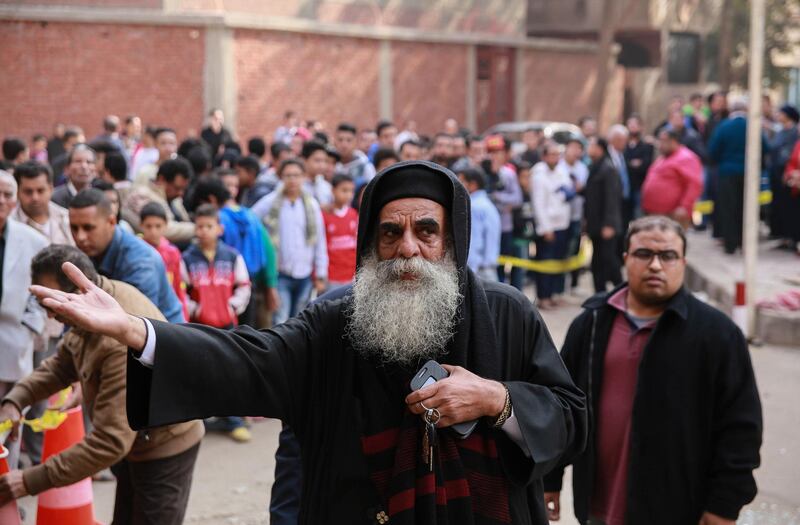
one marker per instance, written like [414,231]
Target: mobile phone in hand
[429,374]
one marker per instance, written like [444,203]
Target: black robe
[305,373]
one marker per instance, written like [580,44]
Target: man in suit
[21,318]
[80,171]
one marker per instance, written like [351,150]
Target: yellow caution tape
[51,418]
[551,266]
[706,207]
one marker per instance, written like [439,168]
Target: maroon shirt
[626,344]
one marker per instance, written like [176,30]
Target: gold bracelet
[506,412]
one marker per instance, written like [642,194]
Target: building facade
[664,48]
[170,61]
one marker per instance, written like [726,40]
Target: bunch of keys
[431,417]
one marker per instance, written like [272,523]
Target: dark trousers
[729,208]
[606,263]
[574,248]
[520,249]
[506,248]
[284,506]
[712,194]
[548,284]
[154,492]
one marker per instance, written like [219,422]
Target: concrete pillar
[219,75]
[385,88]
[472,85]
[520,111]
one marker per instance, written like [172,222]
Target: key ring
[432,416]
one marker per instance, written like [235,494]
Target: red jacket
[172,261]
[791,166]
[673,182]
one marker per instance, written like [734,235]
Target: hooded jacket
[696,428]
[307,373]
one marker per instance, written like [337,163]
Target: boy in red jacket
[153,223]
[215,274]
[219,290]
[341,231]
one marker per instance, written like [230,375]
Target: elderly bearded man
[339,372]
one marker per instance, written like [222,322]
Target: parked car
[560,132]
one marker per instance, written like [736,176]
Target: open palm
[92,309]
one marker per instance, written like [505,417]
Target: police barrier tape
[552,266]
[576,262]
[706,207]
[51,418]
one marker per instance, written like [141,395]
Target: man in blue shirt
[484,245]
[119,255]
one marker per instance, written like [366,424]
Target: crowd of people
[223,233]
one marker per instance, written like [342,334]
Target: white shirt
[580,171]
[295,257]
[551,210]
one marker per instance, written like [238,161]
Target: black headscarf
[410,493]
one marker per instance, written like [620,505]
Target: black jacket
[694,141]
[642,154]
[696,429]
[603,194]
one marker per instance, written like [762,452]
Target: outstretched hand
[91,309]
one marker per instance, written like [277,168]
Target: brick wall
[324,78]
[77,73]
[553,91]
[430,82]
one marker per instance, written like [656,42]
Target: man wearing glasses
[673,405]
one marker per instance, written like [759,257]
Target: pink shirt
[620,372]
[673,182]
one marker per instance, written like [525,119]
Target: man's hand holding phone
[463,396]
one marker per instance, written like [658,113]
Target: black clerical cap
[413,181]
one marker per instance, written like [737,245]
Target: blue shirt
[484,244]
[131,260]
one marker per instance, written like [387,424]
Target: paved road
[232,481]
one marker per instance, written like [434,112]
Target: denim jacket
[131,260]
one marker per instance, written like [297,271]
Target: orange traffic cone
[9,514]
[70,505]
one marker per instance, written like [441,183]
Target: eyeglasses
[667,257]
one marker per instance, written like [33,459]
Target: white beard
[402,321]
